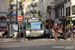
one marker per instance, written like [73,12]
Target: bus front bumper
[34,34]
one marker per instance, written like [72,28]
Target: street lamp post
[70,10]
[17,14]
[16,10]
[17,1]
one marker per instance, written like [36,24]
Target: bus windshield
[35,26]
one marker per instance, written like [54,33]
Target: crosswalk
[51,40]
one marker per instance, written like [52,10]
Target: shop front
[67,21]
[49,24]
[10,27]
[73,20]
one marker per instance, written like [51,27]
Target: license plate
[38,32]
[33,31]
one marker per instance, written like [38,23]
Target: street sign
[8,10]
[13,14]
[19,18]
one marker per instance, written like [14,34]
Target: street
[38,44]
[37,24]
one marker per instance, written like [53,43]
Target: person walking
[15,31]
[71,29]
[61,31]
[1,32]
[55,30]
[5,32]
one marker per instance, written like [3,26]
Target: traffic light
[20,7]
[48,9]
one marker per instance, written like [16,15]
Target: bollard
[19,32]
[13,36]
[2,36]
[19,35]
[24,35]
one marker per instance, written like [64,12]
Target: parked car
[47,33]
[51,33]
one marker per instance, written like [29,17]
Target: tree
[22,0]
[67,26]
[11,0]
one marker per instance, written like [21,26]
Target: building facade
[65,8]
[43,6]
[46,9]
[28,8]
[4,5]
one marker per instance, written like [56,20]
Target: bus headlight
[27,32]
[42,31]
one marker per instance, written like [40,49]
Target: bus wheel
[28,38]
[42,37]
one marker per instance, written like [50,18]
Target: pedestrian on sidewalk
[71,30]
[61,31]
[3,31]
[15,31]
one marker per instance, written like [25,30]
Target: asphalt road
[39,44]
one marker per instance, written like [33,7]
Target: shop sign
[46,23]
[73,18]
[67,19]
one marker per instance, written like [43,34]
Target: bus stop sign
[19,18]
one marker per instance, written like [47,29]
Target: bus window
[42,25]
[36,26]
[28,26]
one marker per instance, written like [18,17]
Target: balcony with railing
[33,4]
[33,11]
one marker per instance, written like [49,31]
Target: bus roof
[34,20]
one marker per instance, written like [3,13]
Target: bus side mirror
[43,22]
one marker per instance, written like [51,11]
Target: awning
[73,18]
[2,17]
[12,21]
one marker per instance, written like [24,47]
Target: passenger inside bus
[28,26]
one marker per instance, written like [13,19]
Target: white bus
[34,27]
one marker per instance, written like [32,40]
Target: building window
[73,10]
[68,0]
[55,1]
[65,1]
[33,0]
[68,11]
[61,11]
[56,13]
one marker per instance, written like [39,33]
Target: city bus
[34,28]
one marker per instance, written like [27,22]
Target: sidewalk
[11,40]
[22,40]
